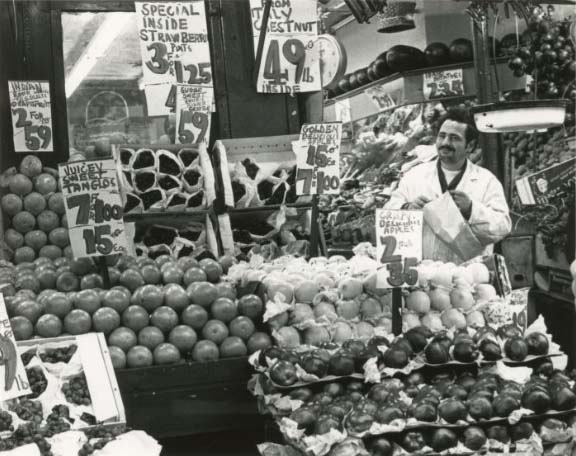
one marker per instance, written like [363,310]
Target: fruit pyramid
[34,213]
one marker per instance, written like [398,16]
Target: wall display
[31,116]
[399,247]
[193,114]
[290,59]
[442,84]
[94,208]
[175,49]
[318,159]
[13,380]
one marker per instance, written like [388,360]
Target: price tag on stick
[31,116]
[193,114]
[399,247]
[318,159]
[93,208]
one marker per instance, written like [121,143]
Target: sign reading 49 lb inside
[94,208]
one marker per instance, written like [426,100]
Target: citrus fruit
[250,306]
[123,338]
[29,309]
[44,295]
[13,238]
[24,254]
[183,338]
[20,184]
[47,221]
[479,272]
[166,353]
[50,251]
[226,262]
[88,300]
[34,203]
[35,239]
[59,304]
[56,203]
[117,356]
[31,166]
[59,237]
[350,288]
[131,279]
[63,221]
[175,297]
[160,260]
[194,274]
[45,183]
[21,327]
[205,350]
[139,356]
[150,337]
[82,266]
[215,330]
[258,341]
[151,274]
[194,316]
[305,291]
[224,309]
[115,299]
[60,262]
[242,327]
[90,281]
[28,282]
[280,288]
[461,299]
[135,318]
[226,290]
[77,322]
[212,269]
[233,346]
[172,275]
[114,276]
[148,296]
[67,281]
[105,320]
[48,325]
[164,318]
[11,204]
[418,301]
[202,293]
[23,222]
[485,292]
[187,262]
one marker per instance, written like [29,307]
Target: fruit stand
[174,260]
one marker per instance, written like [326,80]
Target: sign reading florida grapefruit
[94,208]
[399,247]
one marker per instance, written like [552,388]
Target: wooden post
[314,229]
[262,39]
[396,311]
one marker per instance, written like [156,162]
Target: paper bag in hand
[444,219]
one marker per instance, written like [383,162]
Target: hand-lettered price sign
[175,49]
[94,208]
[399,247]
[193,114]
[318,159]
[13,380]
[443,84]
[31,116]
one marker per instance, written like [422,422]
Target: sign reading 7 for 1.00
[318,159]
[93,208]
[399,247]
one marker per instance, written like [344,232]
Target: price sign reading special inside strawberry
[193,114]
[94,208]
[13,379]
[31,116]
[318,159]
[175,49]
[399,247]
[443,84]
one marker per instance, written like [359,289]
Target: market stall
[194,215]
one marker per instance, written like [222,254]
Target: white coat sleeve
[490,218]
[399,197]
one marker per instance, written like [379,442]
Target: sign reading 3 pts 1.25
[399,247]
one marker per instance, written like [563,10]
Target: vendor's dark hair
[461,115]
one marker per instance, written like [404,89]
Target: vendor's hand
[418,203]
[463,202]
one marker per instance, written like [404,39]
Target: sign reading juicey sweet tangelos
[175,49]
[94,208]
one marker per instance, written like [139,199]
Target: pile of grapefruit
[34,213]
[157,311]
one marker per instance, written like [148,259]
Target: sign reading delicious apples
[31,116]
[399,247]
[318,159]
[93,208]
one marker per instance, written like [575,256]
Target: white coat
[489,220]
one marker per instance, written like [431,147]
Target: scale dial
[332,60]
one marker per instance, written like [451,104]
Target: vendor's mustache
[448,148]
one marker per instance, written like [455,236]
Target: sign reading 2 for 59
[93,208]
[399,247]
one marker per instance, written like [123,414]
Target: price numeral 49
[400,272]
[293,51]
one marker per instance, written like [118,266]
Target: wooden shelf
[407,88]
